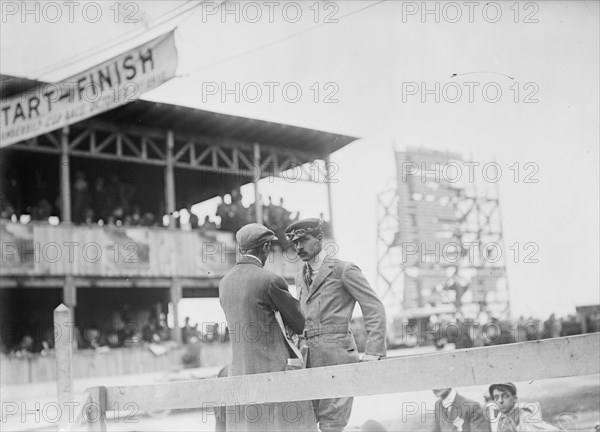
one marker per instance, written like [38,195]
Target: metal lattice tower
[440,243]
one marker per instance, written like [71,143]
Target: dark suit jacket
[469,411]
[249,295]
[328,305]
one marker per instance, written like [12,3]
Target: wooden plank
[571,356]
[95,415]
[80,413]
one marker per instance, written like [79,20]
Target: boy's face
[504,399]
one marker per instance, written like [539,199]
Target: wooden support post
[70,293]
[257,176]
[170,179]
[65,181]
[328,181]
[176,294]
[63,343]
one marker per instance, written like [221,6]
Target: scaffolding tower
[440,245]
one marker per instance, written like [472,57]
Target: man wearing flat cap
[328,291]
[250,296]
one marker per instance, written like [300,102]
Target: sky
[384,73]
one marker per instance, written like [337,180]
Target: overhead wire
[275,42]
[119,40]
[136,33]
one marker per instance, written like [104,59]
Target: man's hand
[369,357]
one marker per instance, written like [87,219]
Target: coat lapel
[324,271]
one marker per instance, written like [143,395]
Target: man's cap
[254,235]
[504,386]
[303,227]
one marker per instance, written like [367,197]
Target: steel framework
[440,244]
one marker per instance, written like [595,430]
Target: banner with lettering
[103,87]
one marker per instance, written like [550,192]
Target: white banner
[108,85]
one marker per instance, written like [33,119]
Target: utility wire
[275,42]
[117,41]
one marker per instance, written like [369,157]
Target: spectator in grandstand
[454,412]
[81,197]
[25,347]
[136,215]
[187,332]
[126,194]
[463,338]
[41,211]
[111,193]
[101,201]
[148,219]
[89,216]
[240,214]
[267,212]
[225,213]
[6,208]
[6,211]
[570,326]
[208,225]
[117,215]
[13,190]
[193,221]
[552,327]
[593,322]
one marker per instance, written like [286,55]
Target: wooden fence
[545,359]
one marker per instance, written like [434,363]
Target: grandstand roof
[191,121]
[195,121]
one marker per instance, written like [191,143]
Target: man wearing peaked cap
[328,291]
[250,296]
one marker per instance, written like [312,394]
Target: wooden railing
[40,249]
[570,356]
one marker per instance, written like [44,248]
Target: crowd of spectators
[152,328]
[123,329]
[106,200]
[467,333]
[102,200]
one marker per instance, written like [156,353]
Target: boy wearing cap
[513,417]
[250,295]
[328,291]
